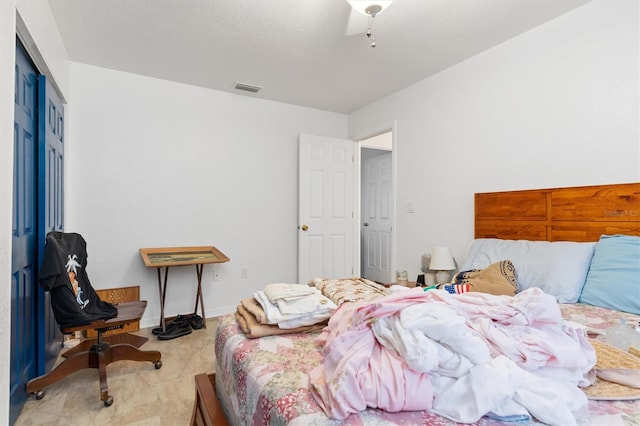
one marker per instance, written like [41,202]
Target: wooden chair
[77,307]
[101,351]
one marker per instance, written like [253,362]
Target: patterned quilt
[265,381]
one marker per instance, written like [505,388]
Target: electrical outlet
[244,272]
[217,276]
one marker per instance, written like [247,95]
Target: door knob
[304,227]
[366,224]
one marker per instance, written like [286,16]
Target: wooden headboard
[581,213]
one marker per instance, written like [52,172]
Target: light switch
[411,206]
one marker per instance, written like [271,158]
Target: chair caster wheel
[108,401]
[38,395]
[157,364]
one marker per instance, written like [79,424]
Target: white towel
[277,291]
[300,306]
[321,312]
[294,298]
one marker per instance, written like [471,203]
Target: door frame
[360,144]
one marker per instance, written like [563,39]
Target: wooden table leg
[163,294]
[199,297]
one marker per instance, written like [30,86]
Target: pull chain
[370,31]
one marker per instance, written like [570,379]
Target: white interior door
[326,231]
[376,218]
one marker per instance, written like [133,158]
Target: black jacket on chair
[64,274]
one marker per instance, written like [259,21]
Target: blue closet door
[50,214]
[37,210]
[24,259]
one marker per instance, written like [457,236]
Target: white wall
[154,163]
[556,106]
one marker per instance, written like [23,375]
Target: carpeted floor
[141,394]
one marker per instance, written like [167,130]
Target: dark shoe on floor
[179,319]
[175,330]
[196,322]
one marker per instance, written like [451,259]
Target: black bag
[64,274]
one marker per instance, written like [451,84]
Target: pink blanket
[416,350]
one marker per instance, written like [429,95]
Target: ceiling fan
[362,15]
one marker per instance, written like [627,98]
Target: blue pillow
[613,280]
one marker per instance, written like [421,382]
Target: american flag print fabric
[456,288]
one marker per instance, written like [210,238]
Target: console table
[165,257]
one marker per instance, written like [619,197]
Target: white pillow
[558,268]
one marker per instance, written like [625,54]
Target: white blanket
[482,355]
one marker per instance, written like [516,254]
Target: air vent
[246,87]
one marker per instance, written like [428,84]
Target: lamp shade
[441,260]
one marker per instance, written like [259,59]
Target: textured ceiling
[304,52]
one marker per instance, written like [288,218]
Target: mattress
[265,381]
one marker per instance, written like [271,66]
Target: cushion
[498,278]
[558,268]
[613,280]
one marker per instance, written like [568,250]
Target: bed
[266,380]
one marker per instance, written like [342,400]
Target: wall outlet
[217,276]
[244,272]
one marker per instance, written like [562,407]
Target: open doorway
[376,208]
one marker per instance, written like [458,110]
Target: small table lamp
[442,262]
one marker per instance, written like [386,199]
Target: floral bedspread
[265,381]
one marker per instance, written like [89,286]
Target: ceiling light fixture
[370,8]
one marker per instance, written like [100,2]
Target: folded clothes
[271,311]
[321,311]
[277,291]
[301,305]
[254,308]
[252,329]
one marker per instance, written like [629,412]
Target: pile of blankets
[284,308]
[298,308]
[461,356]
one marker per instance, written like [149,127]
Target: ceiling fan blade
[356,24]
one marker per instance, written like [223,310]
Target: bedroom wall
[154,163]
[556,106]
